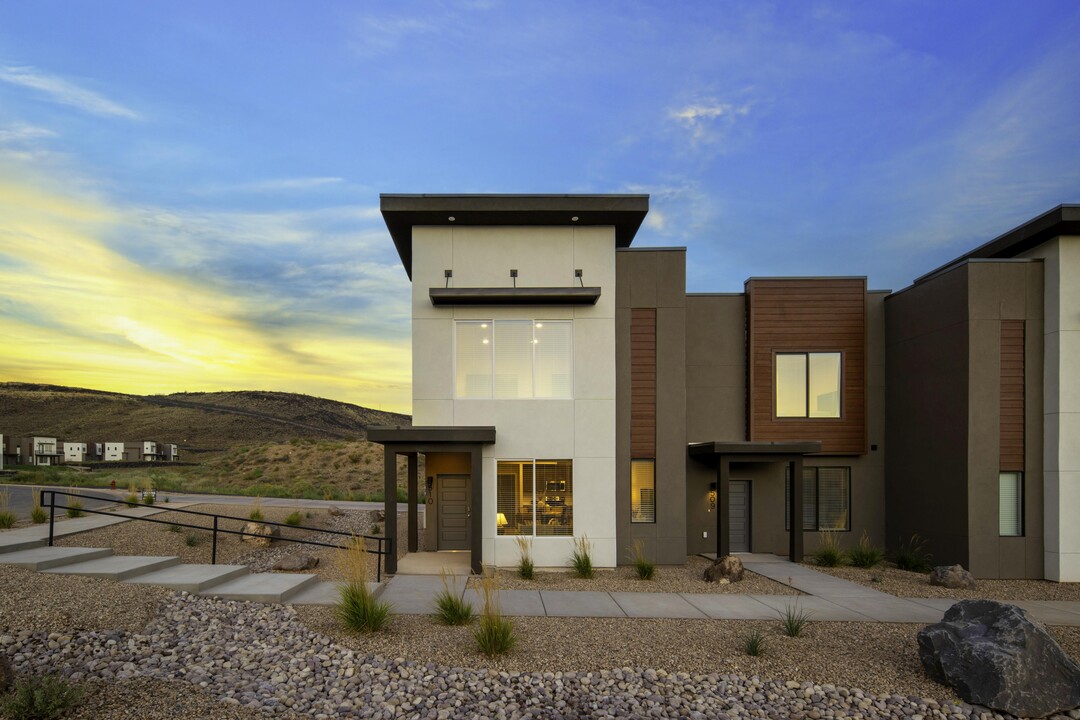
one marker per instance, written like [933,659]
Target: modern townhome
[72,452]
[105,451]
[168,452]
[140,452]
[566,385]
[31,450]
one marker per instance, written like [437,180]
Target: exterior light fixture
[574,219]
[539,325]
[712,496]
[485,341]
[483,326]
[451,218]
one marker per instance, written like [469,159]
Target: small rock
[952,576]
[335,511]
[297,562]
[259,535]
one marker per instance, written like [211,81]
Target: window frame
[806,354]
[533,462]
[1020,529]
[652,462]
[817,498]
[569,322]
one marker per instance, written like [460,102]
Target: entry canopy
[431,435]
[707,451]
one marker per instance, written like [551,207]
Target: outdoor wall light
[451,218]
[574,219]
[712,496]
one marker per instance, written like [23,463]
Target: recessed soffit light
[451,218]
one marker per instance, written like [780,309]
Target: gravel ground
[149,699]
[140,538]
[910,584]
[64,603]
[668,579]
[264,657]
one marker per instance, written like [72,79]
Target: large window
[826,498]
[643,491]
[508,359]
[535,497]
[808,385]
[1011,504]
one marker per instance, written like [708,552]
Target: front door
[454,506]
[739,515]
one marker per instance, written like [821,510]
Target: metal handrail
[385,544]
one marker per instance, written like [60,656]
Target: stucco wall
[581,429]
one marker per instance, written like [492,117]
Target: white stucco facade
[1061,407]
[580,428]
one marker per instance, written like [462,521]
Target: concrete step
[43,558]
[190,578]
[116,567]
[262,587]
[7,545]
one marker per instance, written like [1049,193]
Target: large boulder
[297,562]
[952,576]
[259,535]
[992,655]
[728,568]
[334,511]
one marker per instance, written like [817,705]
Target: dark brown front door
[739,516]
[454,506]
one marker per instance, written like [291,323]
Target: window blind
[1010,504]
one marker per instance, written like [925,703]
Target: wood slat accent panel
[807,315]
[643,383]
[1012,396]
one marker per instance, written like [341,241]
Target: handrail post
[52,513]
[213,550]
[379,563]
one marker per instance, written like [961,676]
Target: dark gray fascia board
[431,434]
[515,296]
[404,212]
[712,449]
[1061,220]
[653,248]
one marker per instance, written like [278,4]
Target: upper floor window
[808,385]
[508,359]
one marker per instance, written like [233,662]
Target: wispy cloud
[65,92]
[378,35]
[22,132]
[705,120]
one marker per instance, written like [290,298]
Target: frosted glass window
[1010,504]
[473,359]
[808,385]
[554,358]
[643,491]
[513,359]
[791,385]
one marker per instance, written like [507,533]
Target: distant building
[10,452]
[72,452]
[105,451]
[32,450]
[140,451]
[168,452]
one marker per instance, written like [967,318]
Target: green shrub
[40,698]
[794,619]
[451,608]
[174,528]
[256,514]
[7,519]
[75,508]
[753,643]
[645,569]
[828,553]
[912,557]
[294,518]
[494,634]
[376,530]
[866,554]
[581,559]
[148,498]
[525,567]
[38,514]
[132,499]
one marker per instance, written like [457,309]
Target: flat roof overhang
[404,212]
[753,451]
[431,435]
[515,296]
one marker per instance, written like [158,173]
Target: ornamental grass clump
[525,567]
[645,569]
[794,619]
[45,697]
[7,518]
[357,605]
[866,554]
[828,553]
[256,514]
[581,559]
[494,634]
[753,643]
[451,608]
[294,518]
[38,514]
[912,557]
[74,506]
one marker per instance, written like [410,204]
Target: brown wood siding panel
[808,315]
[643,383]
[1012,396]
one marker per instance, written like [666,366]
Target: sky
[189,191]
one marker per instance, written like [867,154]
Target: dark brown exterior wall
[943,415]
[808,314]
[1012,395]
[654,280]
[643,383]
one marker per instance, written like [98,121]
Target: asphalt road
[20,498]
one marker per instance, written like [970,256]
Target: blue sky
[189,191]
